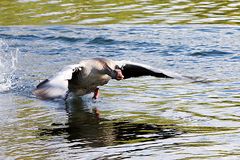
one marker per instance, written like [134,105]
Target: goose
[86,77]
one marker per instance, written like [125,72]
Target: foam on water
[8,62]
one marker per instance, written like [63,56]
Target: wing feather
[131,69]
[56,86]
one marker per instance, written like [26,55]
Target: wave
[36,37]
[20,37]
[63,38]
[211,53]
[103,41]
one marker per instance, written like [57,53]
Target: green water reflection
[39,132]
[95,12]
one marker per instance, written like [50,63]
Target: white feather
[56,86]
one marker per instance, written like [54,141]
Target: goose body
[89,75]
[85,77]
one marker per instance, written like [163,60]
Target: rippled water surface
[135,118]
[95,12]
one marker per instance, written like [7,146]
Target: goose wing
[57,86]
[131,69]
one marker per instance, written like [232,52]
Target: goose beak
[119,75]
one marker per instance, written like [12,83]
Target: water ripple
[137,118]
[64,38]
[102,41]
[214,53]
[126,12]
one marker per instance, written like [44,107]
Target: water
[135,118]
[99,12]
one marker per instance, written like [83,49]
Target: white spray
[8,65]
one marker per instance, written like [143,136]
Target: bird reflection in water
[87,129]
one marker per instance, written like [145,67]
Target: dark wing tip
[132,70]
[42,83]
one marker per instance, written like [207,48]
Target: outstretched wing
[131,69]
[56,86]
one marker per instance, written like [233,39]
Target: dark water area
[134,118]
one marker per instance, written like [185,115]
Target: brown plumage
[85,77]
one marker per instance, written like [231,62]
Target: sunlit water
[96,12]
[135,118]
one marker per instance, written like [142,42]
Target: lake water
[101,12]
[136,118]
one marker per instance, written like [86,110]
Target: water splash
[8,65]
